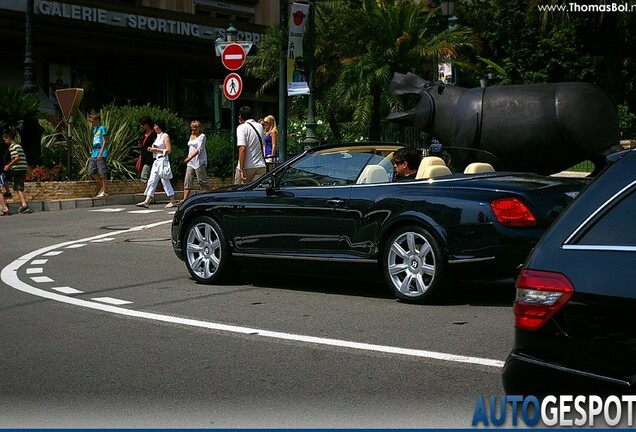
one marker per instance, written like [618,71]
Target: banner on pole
[296,77]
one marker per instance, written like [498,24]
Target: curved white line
[9,276]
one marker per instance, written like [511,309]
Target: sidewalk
[74,203]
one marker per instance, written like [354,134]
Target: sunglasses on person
[397,162]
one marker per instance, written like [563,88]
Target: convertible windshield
[335,167]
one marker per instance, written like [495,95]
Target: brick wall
[43,191]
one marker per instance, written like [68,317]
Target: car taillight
[540,295]
[511,212]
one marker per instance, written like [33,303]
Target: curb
[76,203]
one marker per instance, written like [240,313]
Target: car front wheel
[207,251]
[414,265]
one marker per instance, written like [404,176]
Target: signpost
[232,86]
[233,56]
[69,100]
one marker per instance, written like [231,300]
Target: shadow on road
[475,293]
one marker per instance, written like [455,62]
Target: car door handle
[335,202]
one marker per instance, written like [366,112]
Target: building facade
[158,52]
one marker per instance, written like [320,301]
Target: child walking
[18,167]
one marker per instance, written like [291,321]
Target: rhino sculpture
[544,128]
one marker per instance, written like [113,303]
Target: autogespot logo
[559,411]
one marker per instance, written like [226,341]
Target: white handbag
[165,171]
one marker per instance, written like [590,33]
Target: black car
[336,210]
[575,307]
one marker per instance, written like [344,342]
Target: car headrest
[373,174]
[435,171]
[478,167]
[426,162]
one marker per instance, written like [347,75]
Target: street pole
[233,114]
[69,147]
[310,138]
[282,84]
[29,64]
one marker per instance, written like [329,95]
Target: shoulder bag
[165,171]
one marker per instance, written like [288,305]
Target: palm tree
[359,46]
[387,36]
[19,111]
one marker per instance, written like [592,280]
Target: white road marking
[113,301]
[9,276]
[39,261]
[34,270]
[42,279]
[104,240]
[75,246]
[144,211]
[53,253]
[67,290]
[108,210]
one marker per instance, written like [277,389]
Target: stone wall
[45,191]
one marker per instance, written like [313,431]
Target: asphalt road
[103,327]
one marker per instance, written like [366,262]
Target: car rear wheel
[414,265]
[207,251]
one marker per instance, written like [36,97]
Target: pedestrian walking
[18,167]
[97,167]
[160,149]
[146,141]
[3,204]
[271,138]
[197,160]
[249,139]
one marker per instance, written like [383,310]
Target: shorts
[250,174]
[18,180]
[202,177]
[97,166]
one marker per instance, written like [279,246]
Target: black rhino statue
[543,128]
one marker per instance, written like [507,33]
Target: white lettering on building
[136,22]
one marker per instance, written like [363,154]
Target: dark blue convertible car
[335,210]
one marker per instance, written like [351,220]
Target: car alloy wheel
[206,250]
[413,265]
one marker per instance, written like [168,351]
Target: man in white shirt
[249,139]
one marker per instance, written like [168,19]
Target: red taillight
[511,212]
[539,296]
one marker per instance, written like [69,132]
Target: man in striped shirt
[18,167]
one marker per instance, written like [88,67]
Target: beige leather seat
[427,162]
[373,174]
[478,167]
[435,171]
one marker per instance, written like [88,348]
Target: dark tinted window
[615,226]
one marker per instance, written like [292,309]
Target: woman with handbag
[146,159]
[160,170]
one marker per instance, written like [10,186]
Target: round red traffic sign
[233,56]
[232,86]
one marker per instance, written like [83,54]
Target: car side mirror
[270,186]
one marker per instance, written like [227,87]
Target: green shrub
[17,106]
[626,123]
[124,132]
[219,150]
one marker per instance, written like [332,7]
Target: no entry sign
[232,86]
[233,56]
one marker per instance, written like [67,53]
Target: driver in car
[406,161]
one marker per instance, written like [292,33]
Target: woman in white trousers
[160,148]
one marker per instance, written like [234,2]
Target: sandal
[170,205]
[5,213]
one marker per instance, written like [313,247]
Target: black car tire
[206,251]
[414,265]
